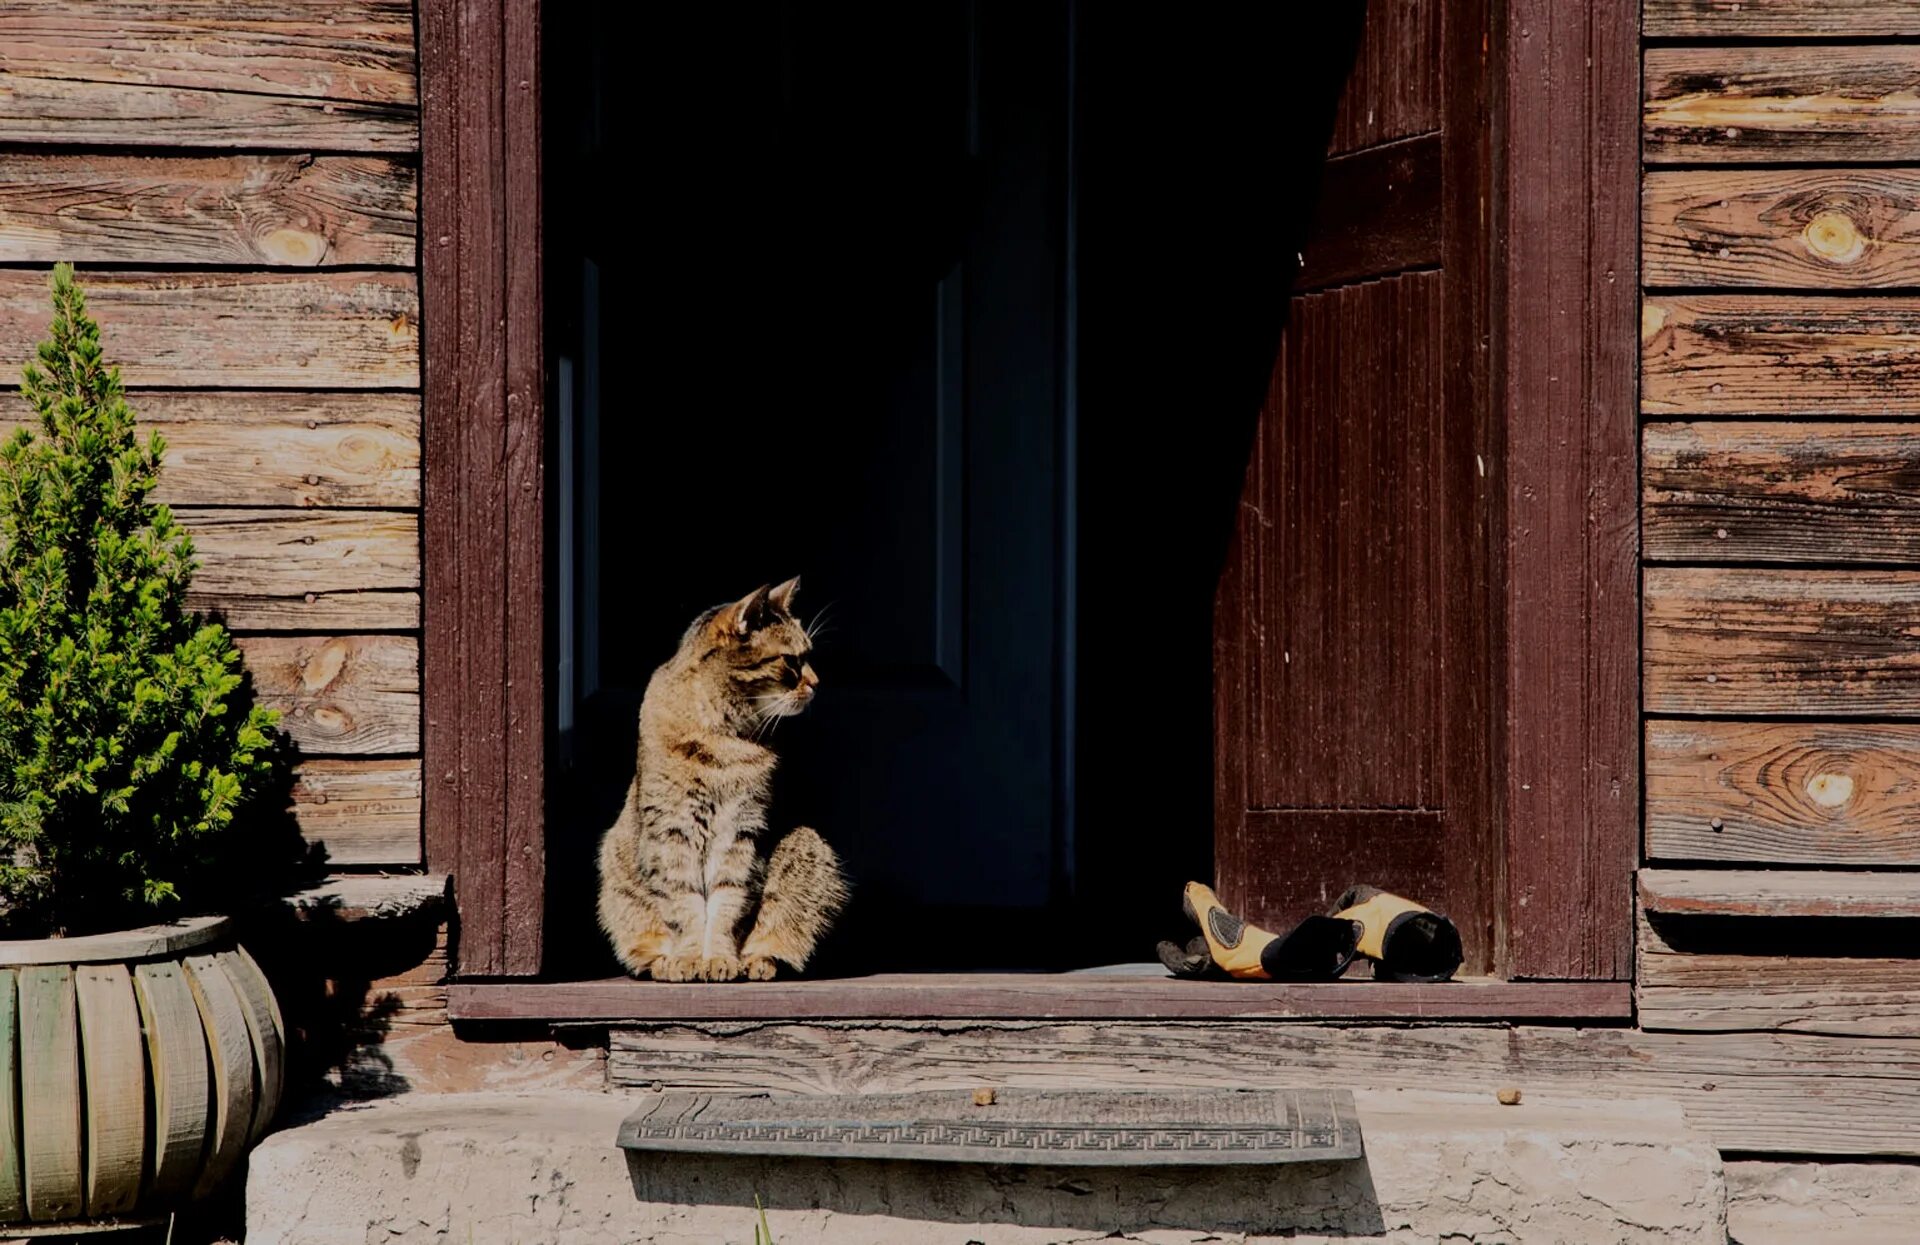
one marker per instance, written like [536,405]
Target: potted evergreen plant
[140,1046]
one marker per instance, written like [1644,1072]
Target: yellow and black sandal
[1405,940]
[1317,949]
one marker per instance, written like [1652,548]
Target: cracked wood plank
[280,211]
[1731,354]
[1760,642]
[1780,492]
[1781,228]
[1833,793]
[1707,105]
[312,570]
[352,695]
[357,330]
[362,812]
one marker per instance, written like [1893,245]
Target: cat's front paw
[720,968]
[760,968]
[676,968]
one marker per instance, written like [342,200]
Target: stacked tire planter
[136,1069]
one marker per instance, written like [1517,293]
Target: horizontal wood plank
[1779,19]
[1713,992]
[1781,228]
[235,330]
[1764,642]
[360,812]
[1705,105]
[363,897]
[1835,793]
[340,695]
[1760,1092]
[312,49]
[50,111]
[1780,893]
[293,211]
[1730,354]
[291,570]
[284,448]
[1151,994]
[1780,492]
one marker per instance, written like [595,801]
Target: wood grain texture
[278,449]
[230,1056]
[113,1059]
[12,1192]
[483,508]
[242,330]
[1780,893]
[370,897]
[1348,664]
[181,1075]
[62,112]
[1706,105]
[166,939]
[1780,492]
[277,211]
[1034,996]
[361,812]
[1760,1092]
[360,50]
[50,1104]
[1393,89]
[340,695]
[1378,213]
[1781,228]
[1721,354]
[1571,736]
[1849,997]
[524,594]
[306,570]
[1780,19]
[264,1029]
[1783,792]
[1756,643]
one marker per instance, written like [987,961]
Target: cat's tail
[805,889]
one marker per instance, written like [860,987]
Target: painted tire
[135,1069]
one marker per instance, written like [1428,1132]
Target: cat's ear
[782,595]
[744,615]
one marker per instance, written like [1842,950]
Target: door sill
[1124,992]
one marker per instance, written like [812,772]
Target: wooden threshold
[1127,993]
[1780,893]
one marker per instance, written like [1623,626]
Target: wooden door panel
[1346,536]
[1394,89]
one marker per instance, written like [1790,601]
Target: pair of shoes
[1404,940]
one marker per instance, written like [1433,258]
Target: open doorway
[963,312]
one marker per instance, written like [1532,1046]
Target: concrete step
[544,1168]
[1834,1203]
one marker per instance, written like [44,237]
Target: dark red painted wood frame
[1565,334]
[1567,343]
[484,651]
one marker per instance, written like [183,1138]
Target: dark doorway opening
[963,312]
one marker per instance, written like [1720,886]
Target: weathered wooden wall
[238,187]
[1780,506]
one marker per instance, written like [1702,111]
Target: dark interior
[963,313]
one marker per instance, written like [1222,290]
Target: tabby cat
[681,873]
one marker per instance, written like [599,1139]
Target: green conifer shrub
[131,752]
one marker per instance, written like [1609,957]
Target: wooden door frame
[1565,588]
[484,435]
[1566,352]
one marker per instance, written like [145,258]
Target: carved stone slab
[1056,1128]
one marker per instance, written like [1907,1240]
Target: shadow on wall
[864,1202]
